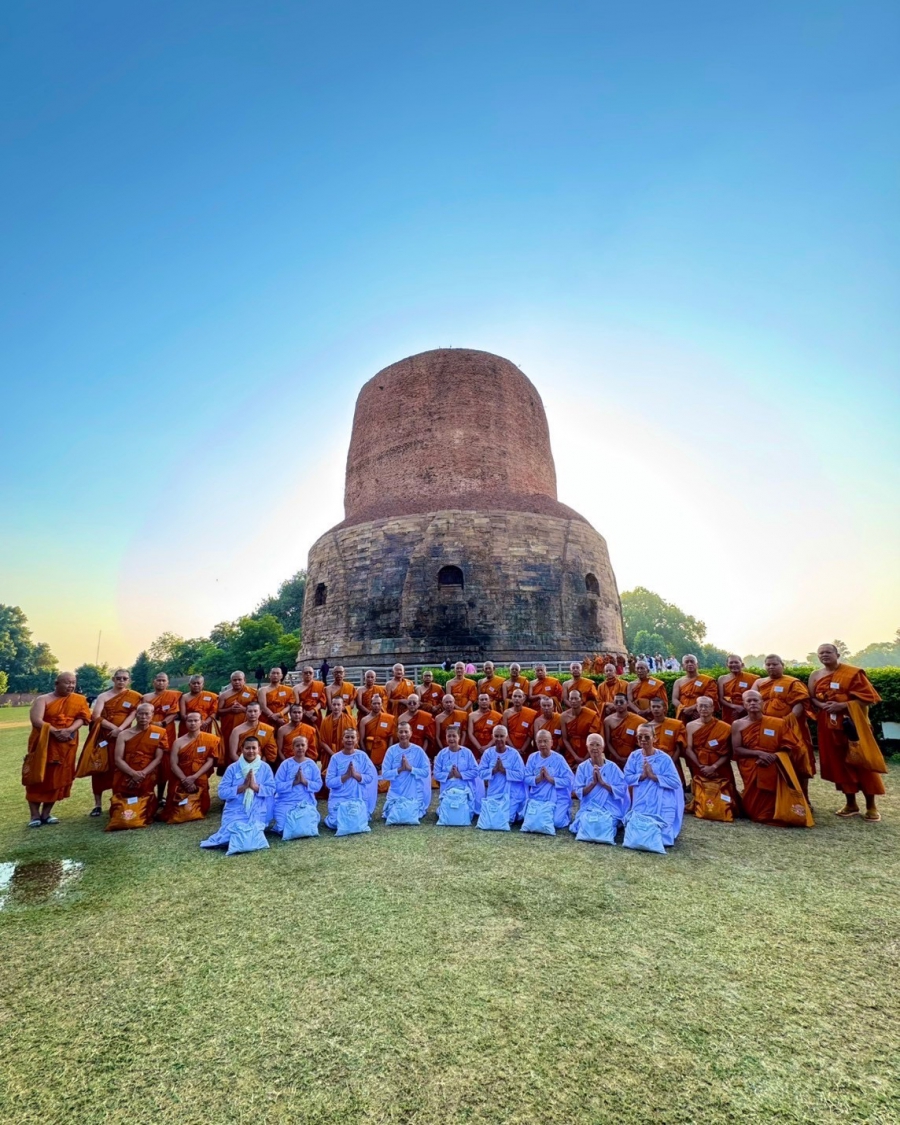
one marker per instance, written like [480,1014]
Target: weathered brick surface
[450,465]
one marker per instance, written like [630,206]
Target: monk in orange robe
[421,725]
[766,750]
[450,716]
[311,695]
[331,736]
[339,688]
[643,689]
[620,731]
[492,686]
[519,722]
[840,691]
[253,724]
[541,685]
[191,761]
[204,702]
[577,723]
[515,682]
[113,712]
[586,688]
[377,731]
[609,687]
[430,694]
[49,767]
[232,710]
[275,699]
[708,749]
[786,697]
[689,687]
[732,686]
[463,690]
[164,701]
[550,720]
[480,731]
[295,727]
[139,752]
[367,692]
[398,689]
[668,735]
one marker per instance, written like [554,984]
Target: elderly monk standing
[606,691]
[585,687]
[139,752]
[275,698]
[550,720]
[518,722]
[708,750]
[645,688]
[491,685]
[515,682]
[364,696]
[576,724]
[295,727]
[841,692]
[430,694]
[463,690]
[113,712]
[398,689]
[198,699]
[766,749]
[49,767]
[339,688]
[191,761]
[310,694]
[376,732]
[542,685]
[732,686]
[786,697]
[481,726]
[252,724]
[232,709]
[620,731]
[689,687]
[668,735]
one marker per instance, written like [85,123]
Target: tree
[29,666]
[649,644]
[711,656]
[92,678]
[287,605]
[881,654]
[4,683]
[142,673]
[645,611]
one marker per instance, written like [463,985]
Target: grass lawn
[16,716]
[446,975]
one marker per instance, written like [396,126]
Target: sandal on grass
[96,812]
[846,813]
[36,823]
[50,820]
[872,815]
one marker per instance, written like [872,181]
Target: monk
[606,691]
[450,716]
[331,733]
[518,722]
[430,694]
[455,766]
[275,699]
[689,687]
[515,681]
[549,777]
[463,690]
[620,731]
[297,781]
[708,750]
[503,772]
[653,780]
[351,775]
[407,770]
[248,790]
[549,719]
[766,750]
[599,785]
[421,725]
[198,699]
[191,761]
[252,724]
[232,709]
[376,732]
[492,685]
[398,689]
[786,697]
[139,752]
[49,767]
[586,688]
[668,735]
[841,692]
[542,684]
[480,728]
[339,688]
[164,701]
[577,723]
[365,694]
[732,686]
[295,727]
[113,712]
[645,688]
[310,694]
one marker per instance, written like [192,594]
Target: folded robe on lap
[599,800]
[510,784]
[663,798]
[288,795]
[464,760]
[560,792]
[236,812]
[413,784]
[350,790]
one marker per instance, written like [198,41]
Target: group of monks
[157,751]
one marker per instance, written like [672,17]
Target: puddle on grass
[42,881]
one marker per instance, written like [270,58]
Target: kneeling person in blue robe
[503,770]
[248,790]
[408,771]
[297,782]
[599,785]
[656,788]
[549,777]
[455,768]
[350,777]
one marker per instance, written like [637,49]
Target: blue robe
[615,803]
[350,790]
[560,792]
[234,812]
[414,784]
[288,795]
[663,799]
[464,760]
[510,784]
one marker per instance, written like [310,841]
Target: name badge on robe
[770,732]
[182,803]
[778,689]
[166,707]
[524,724]
[652,682]
[126,704]
[103,743]
[154,735]
[260,734]
[245,695]
[558,733]
[628,730]
[834,686]
[131,800]
[384,726]
[489,722]
[668,732]
[201,749]
[419,726]
[207,698]
[714,742]
[698,683]
[743,683]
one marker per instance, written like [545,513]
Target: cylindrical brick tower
[453,542]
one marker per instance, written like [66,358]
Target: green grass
[427,975]
[13,715]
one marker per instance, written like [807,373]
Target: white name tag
[166,707]
[201,749]
[652,682]
[245,695]
[104,743]
[834,686]
[131,800]
[524,724]
[182,803]
[698,683]
[419,726]
[726,798]
[714,742]
[207,698]
[314,694]
[558,733]
[489,722]
[126,704]
[628,730]
[384,726]
[769,732]
[154,736]
[743,683]
[778,689]
[668,732]
[260,734]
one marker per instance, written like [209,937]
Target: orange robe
[347,692]
[548,686]
[780,696]
[588,691]
[139,752]
[464,691]
[377,736]
[268,746]
[761,782]
[443,722]
[670,736]
[331,736]
[733,690]
[605,692]
[553,728]
[191,758]
[710,742]
[492,687]
[279,698]
[304,730]
[578,727]
[398,692]
[845,683]
[520,726]
[689,693]
[369,694]
[483,724]
[165,712]
[622,738]
[431,697]
[519,682]
[645,690]
[97,758]
[423,729]
[311,698]
[228,722]
[49,767]
[204,703]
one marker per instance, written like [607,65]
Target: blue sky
[219,219]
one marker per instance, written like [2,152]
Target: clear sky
[219,218]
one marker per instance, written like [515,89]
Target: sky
[220,218]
